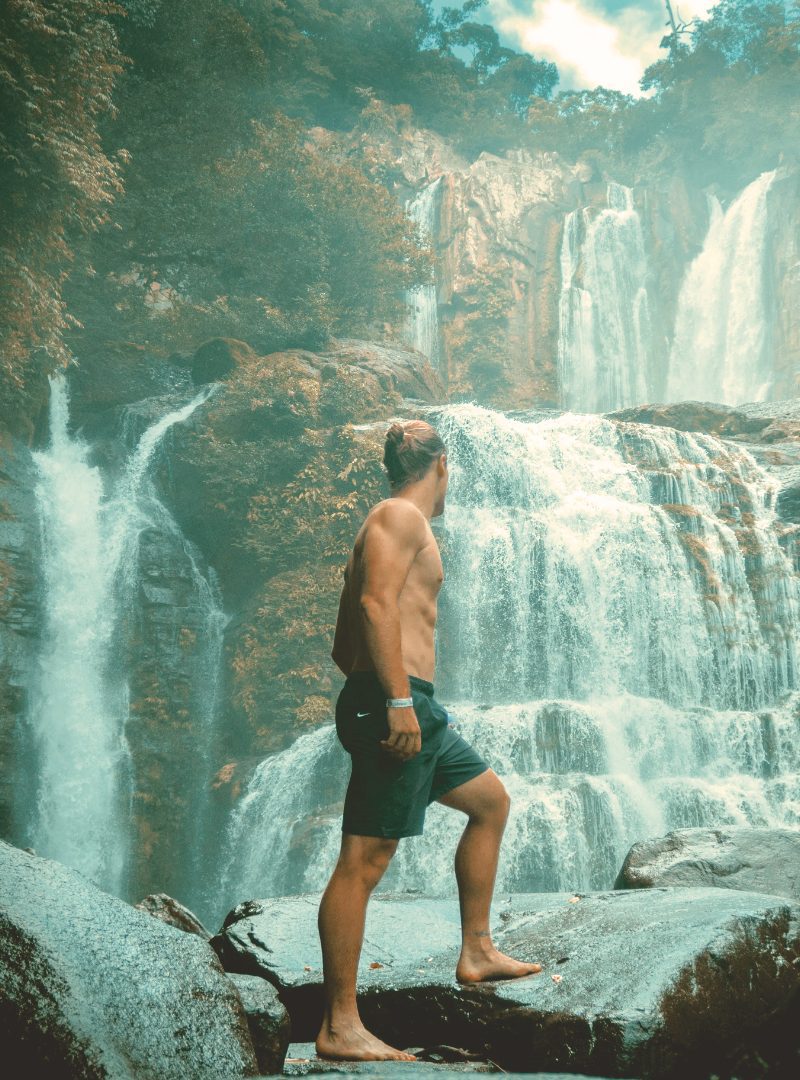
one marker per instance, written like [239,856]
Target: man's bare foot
[492,964]
[354,1043]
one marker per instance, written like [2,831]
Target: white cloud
[589,44]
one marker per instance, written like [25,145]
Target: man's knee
[501,801]
[367,856]
[484,798]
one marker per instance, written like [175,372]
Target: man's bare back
[395,557]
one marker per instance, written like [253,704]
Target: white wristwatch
[399,703]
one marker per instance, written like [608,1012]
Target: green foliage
[229,205]
[329,233]
[726,102]
[274,244]
[258,228]
[579,120]
[227,210]
[722,104]
[326,53]
[58,63]
[300,531]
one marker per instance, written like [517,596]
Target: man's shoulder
[398,515]
[396,509]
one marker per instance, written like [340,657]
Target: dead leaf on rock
[375,964]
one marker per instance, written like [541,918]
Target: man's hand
[405,737]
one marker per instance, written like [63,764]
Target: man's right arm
[391,543]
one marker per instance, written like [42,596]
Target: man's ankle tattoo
[482,933]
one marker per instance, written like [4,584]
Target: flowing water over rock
[604,320]
[423,323]
[721,348]
[78,801]
[618,635]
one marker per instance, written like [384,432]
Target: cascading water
[721,347]
[74,735]
[618,635]
[422,329]
[184,634]
[604,320]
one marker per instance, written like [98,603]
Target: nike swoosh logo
[362,714]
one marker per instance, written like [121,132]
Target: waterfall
[181,636]
[604,320]
[79,810]
[422,330]
[721,347]
[619,636]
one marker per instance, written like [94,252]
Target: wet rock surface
[90,987]
[267,1020]
[20,616]
[754,860]
[393,367]
[302,1060]
[769,430]
[172,912]
[652,983]
[766,422]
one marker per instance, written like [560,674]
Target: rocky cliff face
[20,621]
[497,226]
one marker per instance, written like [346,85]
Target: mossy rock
[217,358]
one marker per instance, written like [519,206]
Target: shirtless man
[404,752]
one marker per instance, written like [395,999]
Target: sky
[592,42]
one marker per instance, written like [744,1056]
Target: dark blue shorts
[385,796]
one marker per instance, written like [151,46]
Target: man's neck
[421,495]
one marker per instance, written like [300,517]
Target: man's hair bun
[410,450]
[395,435]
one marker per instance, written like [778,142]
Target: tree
[727,101]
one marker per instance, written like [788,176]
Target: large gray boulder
[92,988]
[663,982]
[267,1018]
[755,860]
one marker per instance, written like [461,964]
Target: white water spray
[604,320]
[721,348]
[618,636]
[423,321]
[79,703]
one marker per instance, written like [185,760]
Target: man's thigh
[482,795]
[387,797]
[457,764]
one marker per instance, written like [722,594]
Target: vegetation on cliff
[246,213]
[58,64]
